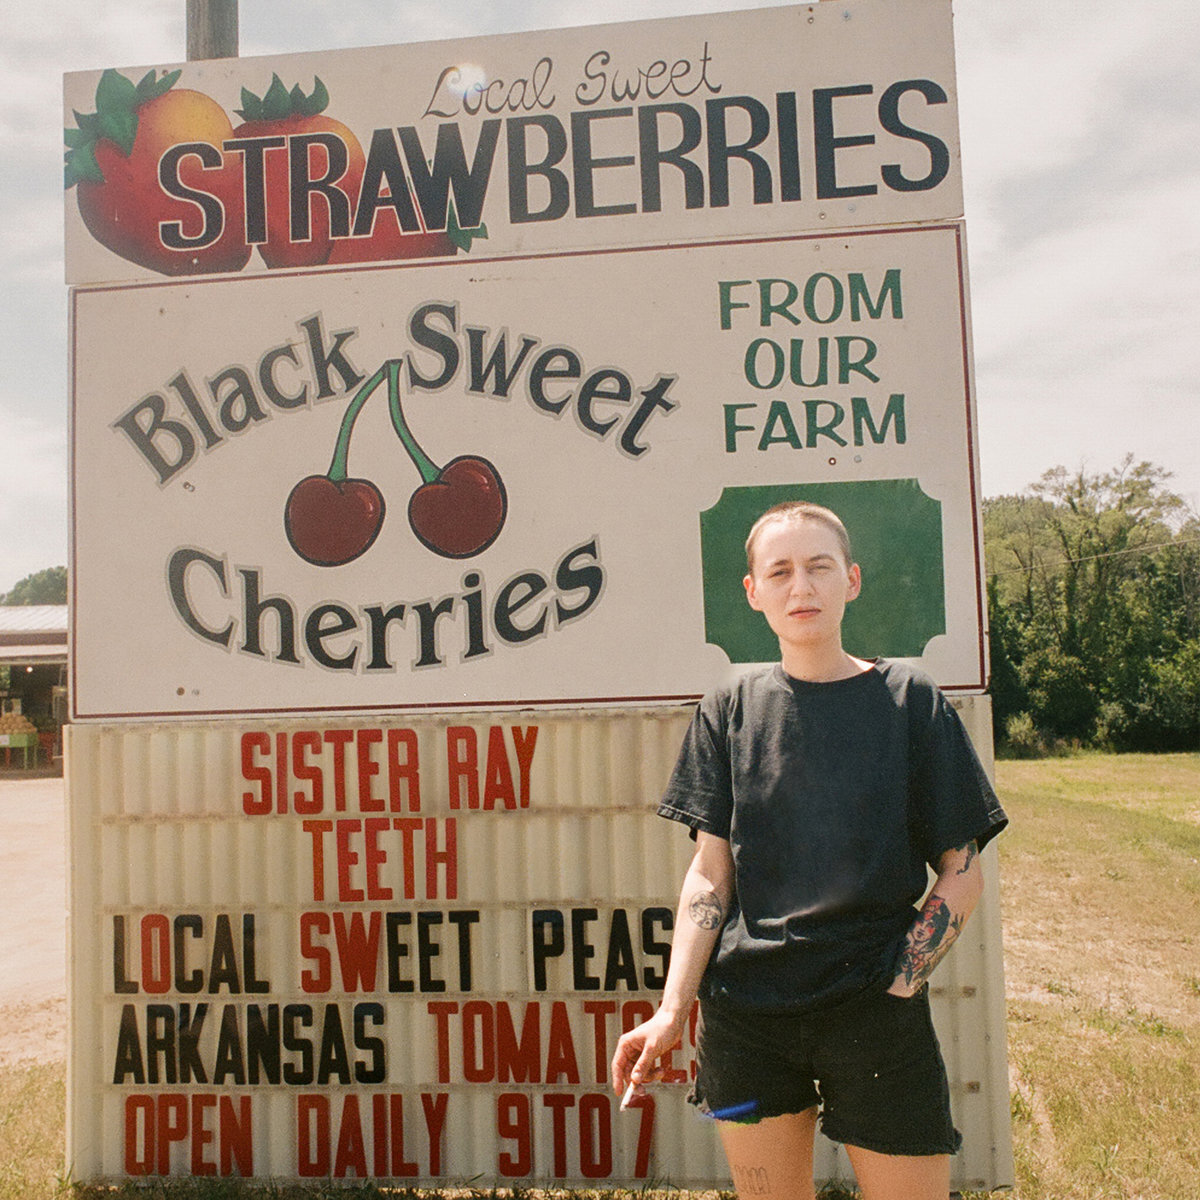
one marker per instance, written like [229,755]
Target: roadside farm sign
[425,376]
[422,397]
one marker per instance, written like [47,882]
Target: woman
[817,791]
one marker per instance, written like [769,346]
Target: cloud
[1062,107]
[33,501]
[1079,127]
[315,24]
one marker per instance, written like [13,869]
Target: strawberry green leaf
[81,166]
[80,160]
[114,91]
[89,124]
[149,88]
[166,83]
[310,105]
[305,105]
[252,106]
[116,118]
[277,103]
[318,102]
[120,125]
[462,238]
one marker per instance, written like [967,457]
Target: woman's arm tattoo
[705,910]
[929,940]
[942,918]
[972,853]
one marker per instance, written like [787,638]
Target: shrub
[1021,737]
[1062,699]
[1112,724]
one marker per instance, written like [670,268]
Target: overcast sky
[1080,126]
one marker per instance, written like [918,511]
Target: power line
[1062,562]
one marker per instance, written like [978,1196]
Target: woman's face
[801,582]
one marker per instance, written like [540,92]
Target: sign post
[422,397]
[212,29]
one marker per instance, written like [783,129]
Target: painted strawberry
[281,113]
[387,241]
[113,161]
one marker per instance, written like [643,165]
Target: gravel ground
[33,920]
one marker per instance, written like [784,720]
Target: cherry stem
[341,450]
[428,469]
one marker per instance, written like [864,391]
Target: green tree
[1009,696]
[42,587]
[1101,524]
[1094,597]
[1167,714]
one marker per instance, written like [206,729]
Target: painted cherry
[460,512]
[330,522]
[459,509]
[332,519]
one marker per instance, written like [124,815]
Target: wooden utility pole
[212,29]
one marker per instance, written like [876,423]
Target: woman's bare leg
[900,1177]
[772,1159]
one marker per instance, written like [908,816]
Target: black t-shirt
[834,797]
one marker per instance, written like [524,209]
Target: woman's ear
[855,584]
[751,594]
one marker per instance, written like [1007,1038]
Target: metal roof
[32,655]
[33,633]
[45,620]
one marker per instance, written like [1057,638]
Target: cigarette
[627,1099]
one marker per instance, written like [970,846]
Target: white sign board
[404,950]
[733,125]
[513,480]
[440,381]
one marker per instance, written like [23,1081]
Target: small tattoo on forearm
[705,910]
[751,1181]
[972,853]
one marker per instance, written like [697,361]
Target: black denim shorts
[872,1065]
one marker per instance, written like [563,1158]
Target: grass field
[1101,887]
[1101,883]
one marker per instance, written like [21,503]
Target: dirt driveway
[33,920]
